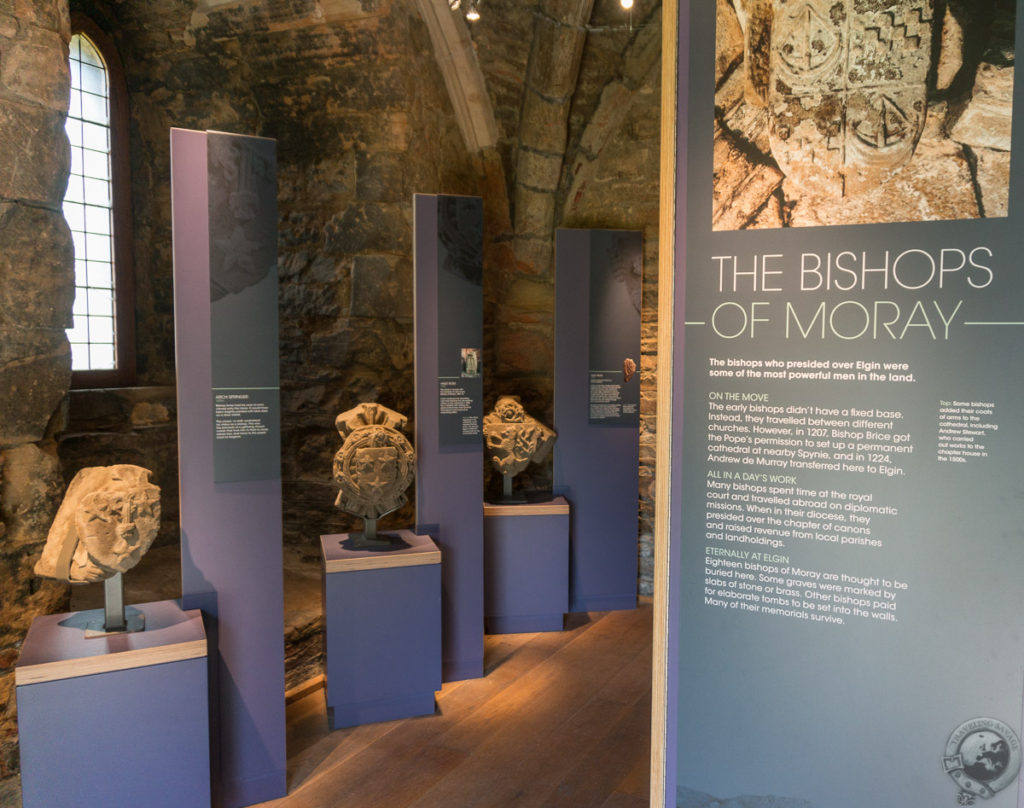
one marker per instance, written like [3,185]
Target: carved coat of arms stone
[515,438]
[845,85]
[375,464]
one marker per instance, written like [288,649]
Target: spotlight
[626,4]
[473,11]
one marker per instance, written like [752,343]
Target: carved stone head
[514,438]
[106,523]
[375,465]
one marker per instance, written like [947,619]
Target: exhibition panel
[225,285]
[597,395]
[448,271]
[842,539]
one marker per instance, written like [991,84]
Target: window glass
[87,208]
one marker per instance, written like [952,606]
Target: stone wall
[36,290]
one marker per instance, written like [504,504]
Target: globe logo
[985,755]
[982,757]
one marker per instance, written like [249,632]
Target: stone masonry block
[36,154]
[543,124]
[535,212]
[34,68]
[370,227]
[35,373]
[381,287]
[36,268]
[29,494]
[555,62]
[539,171]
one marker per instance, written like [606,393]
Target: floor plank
[558,719]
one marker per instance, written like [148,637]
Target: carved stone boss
[514,439]
[373,467]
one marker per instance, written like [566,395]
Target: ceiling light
[626,4]
[473,10]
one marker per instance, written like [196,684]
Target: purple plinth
[526,566]
[118,720]
[382,629]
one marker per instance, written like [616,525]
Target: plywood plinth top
[56,646]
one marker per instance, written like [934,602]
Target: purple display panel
[596,465]
[449,477]
[526,566]
[862,605]
[382,629]
[230,532]
[117,720]
[246,392]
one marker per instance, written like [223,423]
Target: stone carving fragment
[375,464]
[108,520]
[514,439]
[847,89]
[628,369]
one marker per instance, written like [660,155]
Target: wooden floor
[559,719]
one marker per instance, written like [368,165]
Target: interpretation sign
[460,319]
[448,308]
[849,537]
[243,307]
[616,273]
[225,315]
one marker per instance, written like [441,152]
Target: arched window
[97,211]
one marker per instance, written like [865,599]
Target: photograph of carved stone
[242,173]
[106,523]
[835,112]
[515,439]
[470,362]
[375,464]
[459,229]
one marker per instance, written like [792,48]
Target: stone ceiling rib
[453,49]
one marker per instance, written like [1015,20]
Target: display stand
[382,628]
[115,720]
[449,414]
[597,455]
[526,566]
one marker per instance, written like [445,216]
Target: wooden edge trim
[547,509]
[663,455]
[383,561]
[303,689]
[106,663]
